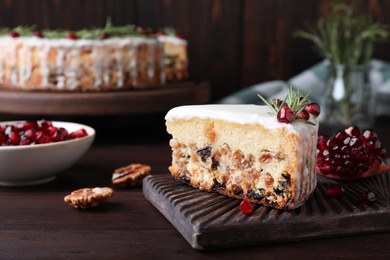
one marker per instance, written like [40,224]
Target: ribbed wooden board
[213,221]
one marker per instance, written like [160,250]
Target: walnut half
[88,197]
[131,175]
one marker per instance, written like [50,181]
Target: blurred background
[232,44]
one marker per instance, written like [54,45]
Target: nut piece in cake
[131,175]
[88,197]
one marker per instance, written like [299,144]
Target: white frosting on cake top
[242,114]
[172,39]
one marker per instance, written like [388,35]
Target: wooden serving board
[130,102]
[213,221]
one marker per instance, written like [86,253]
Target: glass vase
[348,99]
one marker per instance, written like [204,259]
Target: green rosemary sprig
[93,33]
[294,100]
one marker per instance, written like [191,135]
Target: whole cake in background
[244,152]
[101,59]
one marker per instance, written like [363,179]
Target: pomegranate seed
[162,33]
[79,133]
[30,125]
[367,197]
[142,30]
[303,115]
[103,36]
[246,206]
[33,132]
[313,108]
[180,36]
[334,191]
[285,115]
[3,138]
[349,153]
[369,135]
[13,138]
[38,34]
[14,34]
[30,134]
[25,142]
[71,36]
[355,131]
[51,130]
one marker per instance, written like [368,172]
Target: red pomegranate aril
[3,138]
[367,197]
[13,34]
[335,191]
[285,115]
[313,108]
[369,135]
[341,135]
[25,142]
[79,133]
[351,155]
[30,134]
[13,138]
[42,138]
[303,115]
[103,36]
[30,125]
[326,169]
[246,206]
[38,34]
[354,131]
[71,36]
[59,135]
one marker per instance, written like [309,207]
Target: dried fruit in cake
[88,197]
[351,154]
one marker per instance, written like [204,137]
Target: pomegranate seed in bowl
[36,132]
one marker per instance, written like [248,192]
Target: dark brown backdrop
[232,43]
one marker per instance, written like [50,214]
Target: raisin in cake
[111,58]
[243,152]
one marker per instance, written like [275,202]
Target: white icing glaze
[172,39]
[242,114]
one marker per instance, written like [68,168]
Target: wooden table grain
[35,223]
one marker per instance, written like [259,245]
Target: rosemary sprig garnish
[294,102]
[93,33]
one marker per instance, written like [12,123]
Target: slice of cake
[243,152]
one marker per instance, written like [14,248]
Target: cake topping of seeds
[294,107]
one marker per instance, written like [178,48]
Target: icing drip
[133,63]
[45,73]
[118,56]
[150,61]
[162,63]
[26,64]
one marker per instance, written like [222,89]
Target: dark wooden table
[36,223]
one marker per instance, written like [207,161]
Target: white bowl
[40,163]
